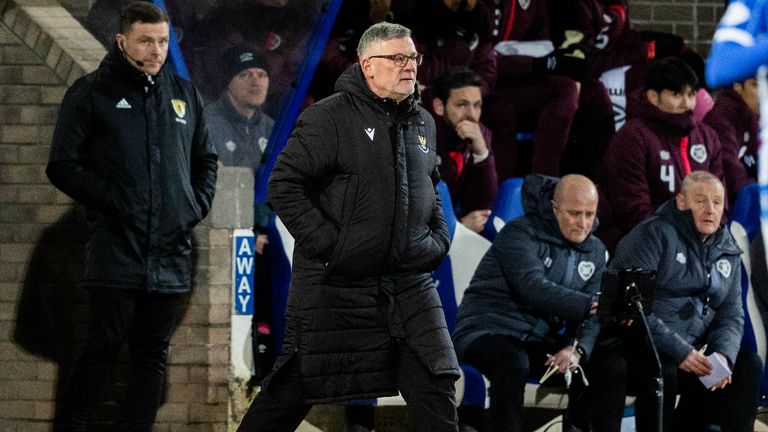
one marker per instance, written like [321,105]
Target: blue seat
[744,225]
[508,206]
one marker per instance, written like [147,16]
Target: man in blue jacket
[697,318]
[131,145]
[532,300]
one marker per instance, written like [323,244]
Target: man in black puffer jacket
[131,145]
[535,293]
[355,185]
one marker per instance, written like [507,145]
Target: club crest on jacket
[586,269]
[699,153]
[180,107]
[423,144]
[724,267]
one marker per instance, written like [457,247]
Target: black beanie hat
[241,57]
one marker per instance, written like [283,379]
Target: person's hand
[470,130]
[476,220]
[261,242]
[593,309]
[696,363]
[566,358]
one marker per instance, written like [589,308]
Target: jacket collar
[684,224]
[677,124]
[352,81]
[115,61]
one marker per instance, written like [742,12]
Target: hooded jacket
[136,153]
[698,283]
[355,186]
[473,185]
[645,165]
[737,129]
[532,280]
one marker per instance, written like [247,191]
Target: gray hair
[699,177]
[380,32]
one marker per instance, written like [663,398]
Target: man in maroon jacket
[528,85]
[648,158]
[735,119]
[467,164]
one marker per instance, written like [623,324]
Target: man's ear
[680,201]
[366,66]
[652,96]
[438,107]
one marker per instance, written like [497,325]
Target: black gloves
[562,61]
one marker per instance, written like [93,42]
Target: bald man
[697,321]
[532,301]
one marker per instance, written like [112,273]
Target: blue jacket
[698,284]
[532,279]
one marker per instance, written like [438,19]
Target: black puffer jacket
[143,165]
[355,187]
[532,280]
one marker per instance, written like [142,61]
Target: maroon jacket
[609,40]
[517,23]
[453,39]
[737,129]
[472,186]
[643,166]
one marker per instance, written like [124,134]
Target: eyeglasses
[402,59]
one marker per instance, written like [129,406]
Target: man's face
[673,102]
[748,92]
[575,214]
[146,42]
[465,103]
[706,201]
[385,78]
[248,89]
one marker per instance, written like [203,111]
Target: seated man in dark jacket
[697,312]
[541,274]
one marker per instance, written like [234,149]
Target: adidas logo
[123,104]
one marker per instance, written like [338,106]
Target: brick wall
[694,20]
[43,309]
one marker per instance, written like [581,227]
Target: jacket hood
[683,222]
[537,194]
[116,62]
[353,82]
[679,124]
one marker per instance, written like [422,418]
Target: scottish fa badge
[586,269]
[179,106]
[423,144]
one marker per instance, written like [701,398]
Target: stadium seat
[508,205]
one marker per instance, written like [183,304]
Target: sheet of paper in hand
[720,370]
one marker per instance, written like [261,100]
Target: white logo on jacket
[123,104]
[547,262]
[370,132]
[231,146]
[699,153]
[524,3]
[724,267]
[664,155]
[680,258]
[586,269]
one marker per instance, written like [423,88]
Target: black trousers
[733,408]
[281,406]
[146,321]
[509,364]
